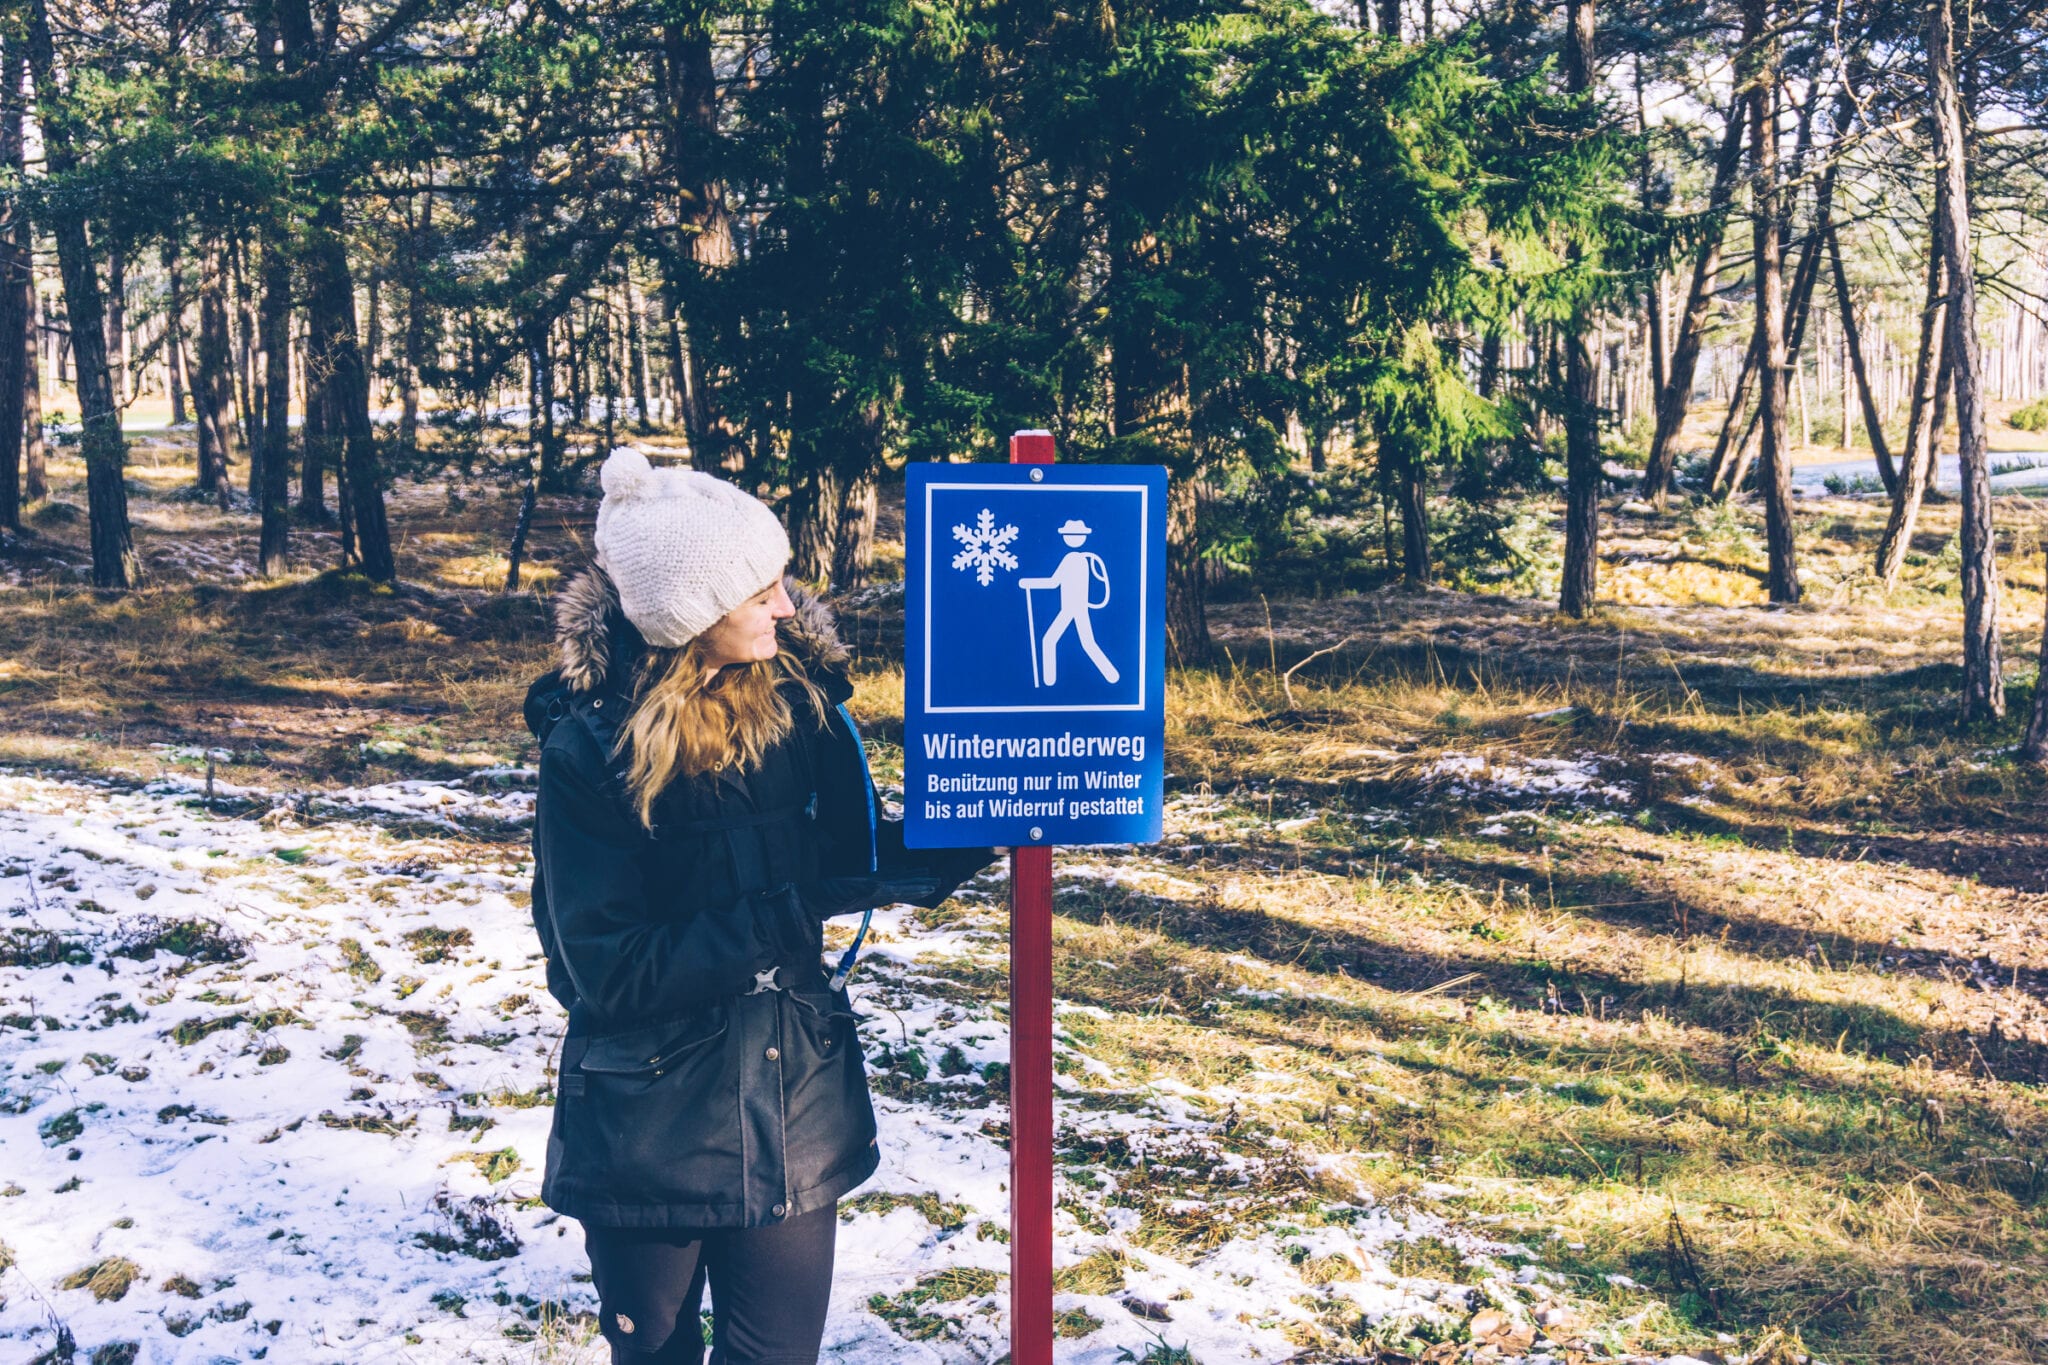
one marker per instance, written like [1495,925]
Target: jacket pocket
[654,1049]
[828,1020]
[657,1122]
[827,1115]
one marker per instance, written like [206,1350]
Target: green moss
[436,945]
[945,1216]
[358,962]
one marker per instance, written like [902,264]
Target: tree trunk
[174,330]
[415,326]
[814,503]
[1798,310]
[2034,746]
[683,374]
[331,311]
[1944,380]
[806,393]
[16,279]
[1852,342]
[373,336]
[206,432]
[540,359]
[1187,594]
[1322,429]
[1675,397]
[1150,409]
[213,394]
[1582,383]
[274,327]
[315,451]
[1390,19]
[1655,304]
[1983,668]
[249,397]
[706,220]
[515,556]
[853,556]
[1732,422]
[115,565]
[1845,379]
[1775,473]
[336,343]
[599,336]
[1920,458]
[35,451]
[1489,365]
[117,324]
[1581,579]
[575,350]
[1798,386]
[1408,474]
[636,361]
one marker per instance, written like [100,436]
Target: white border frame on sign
[1144,493]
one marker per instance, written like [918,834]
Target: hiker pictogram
[1076,579]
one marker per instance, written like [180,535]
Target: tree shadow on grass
[1643,1114]
[1668,659]
[1739,1013]
[288,660]
[1997,858]
[1630,891]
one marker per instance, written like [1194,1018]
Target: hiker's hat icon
[1075,527]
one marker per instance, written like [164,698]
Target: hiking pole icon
[1031,627]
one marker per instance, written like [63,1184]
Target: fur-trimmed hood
[597,645]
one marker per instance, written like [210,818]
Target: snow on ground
[1574,779]
[274,1078]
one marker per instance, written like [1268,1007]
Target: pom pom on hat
[624,472]
[682,547]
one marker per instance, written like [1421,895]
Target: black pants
[769,1289]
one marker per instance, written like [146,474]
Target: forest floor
[1664,985]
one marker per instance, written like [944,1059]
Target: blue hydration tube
[852,953]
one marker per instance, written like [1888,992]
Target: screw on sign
[1034,714]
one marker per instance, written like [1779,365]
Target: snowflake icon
[987,548]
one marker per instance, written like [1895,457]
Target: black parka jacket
[684,1100]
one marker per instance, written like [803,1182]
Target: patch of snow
[322,1124]
[1576,779]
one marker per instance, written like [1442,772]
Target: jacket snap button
[779,1210]
[774,1054]
[599,702]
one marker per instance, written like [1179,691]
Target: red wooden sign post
[1031,1067]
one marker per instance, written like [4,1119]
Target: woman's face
[746,634]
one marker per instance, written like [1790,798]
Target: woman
[704,807]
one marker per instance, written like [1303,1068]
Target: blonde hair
[685,724]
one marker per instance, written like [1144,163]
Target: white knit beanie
[683,548]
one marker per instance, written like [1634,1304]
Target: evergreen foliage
[1254,240]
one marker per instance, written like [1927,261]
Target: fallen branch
[1287,678]
[1444,985]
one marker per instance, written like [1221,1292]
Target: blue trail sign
[1034,707]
